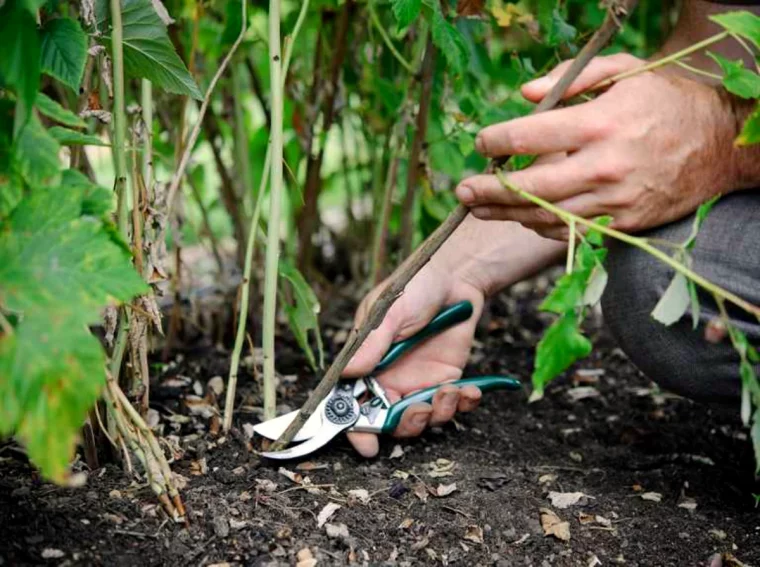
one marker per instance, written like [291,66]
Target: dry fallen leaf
[337,531]
[440,468]
[397,453]
[445,489]
[310,466]
[553,525]
[403,475]
[421,491]
[547,478]
[563,500]
[326,513]
[265,485]
[652,496]
[688,504]
[295,477]
[406,524]
[581,393]
[358,495]
[304,558]
[474,534]
[470,7]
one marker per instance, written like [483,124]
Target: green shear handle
[485,383]
[449,317]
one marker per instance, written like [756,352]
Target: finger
[597,70]
[551,182]
[445,402]
[366,444]
[534,218]
[414,421]
[560,130]
[469,398]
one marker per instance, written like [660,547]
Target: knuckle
[544,217]
[612,170]
[600,127]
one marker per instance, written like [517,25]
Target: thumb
[599,69]
[371,350]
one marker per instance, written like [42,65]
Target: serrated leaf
[750,133]
[562,345]
[36,154]
[19,58]
[737,78]
[742,23]
[58,269]
[674,302]
[448,39]
[406,11]
[148,52]
[11,190]
[53,110]
[67,137]
[64,51]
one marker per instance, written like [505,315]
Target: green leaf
[58,269]
[562,345]
[148,52]
[52,373]
[755,434]
[737,78]
[674,302]
[567,293]
[449,40]
[67,137]
[11,190]
[303,314]
[19,58]
[53,110]
[742,23]
[559,31]
[36,154]
[750,133]
[595,286]
[595,237]
[64,51]
[97,201]
[406,11]
[699,217]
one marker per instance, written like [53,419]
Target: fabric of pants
[678,357]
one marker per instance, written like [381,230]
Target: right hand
[439,359]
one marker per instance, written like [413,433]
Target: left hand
[648,151]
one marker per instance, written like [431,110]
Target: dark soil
[626,441]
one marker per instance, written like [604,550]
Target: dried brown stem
[415,154]
[616,12]
[308,215]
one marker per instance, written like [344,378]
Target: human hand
[648,151]
[439,359]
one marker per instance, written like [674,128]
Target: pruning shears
[342,411]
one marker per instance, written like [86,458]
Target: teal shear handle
[485,383]
[450,316]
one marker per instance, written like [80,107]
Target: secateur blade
[322,438]
[273,428]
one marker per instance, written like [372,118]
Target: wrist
[744,161]
[491,255]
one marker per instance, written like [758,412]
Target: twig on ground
[422,255]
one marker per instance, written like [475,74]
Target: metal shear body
[341,410]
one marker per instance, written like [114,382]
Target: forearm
[494,255]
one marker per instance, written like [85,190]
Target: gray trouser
[678,358]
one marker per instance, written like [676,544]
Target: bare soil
[625,440]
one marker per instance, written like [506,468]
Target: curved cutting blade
[325,435]
[273,428]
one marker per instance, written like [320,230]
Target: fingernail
[544,83]
[480,144]
[465,194]
[420,420]
[450,400]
